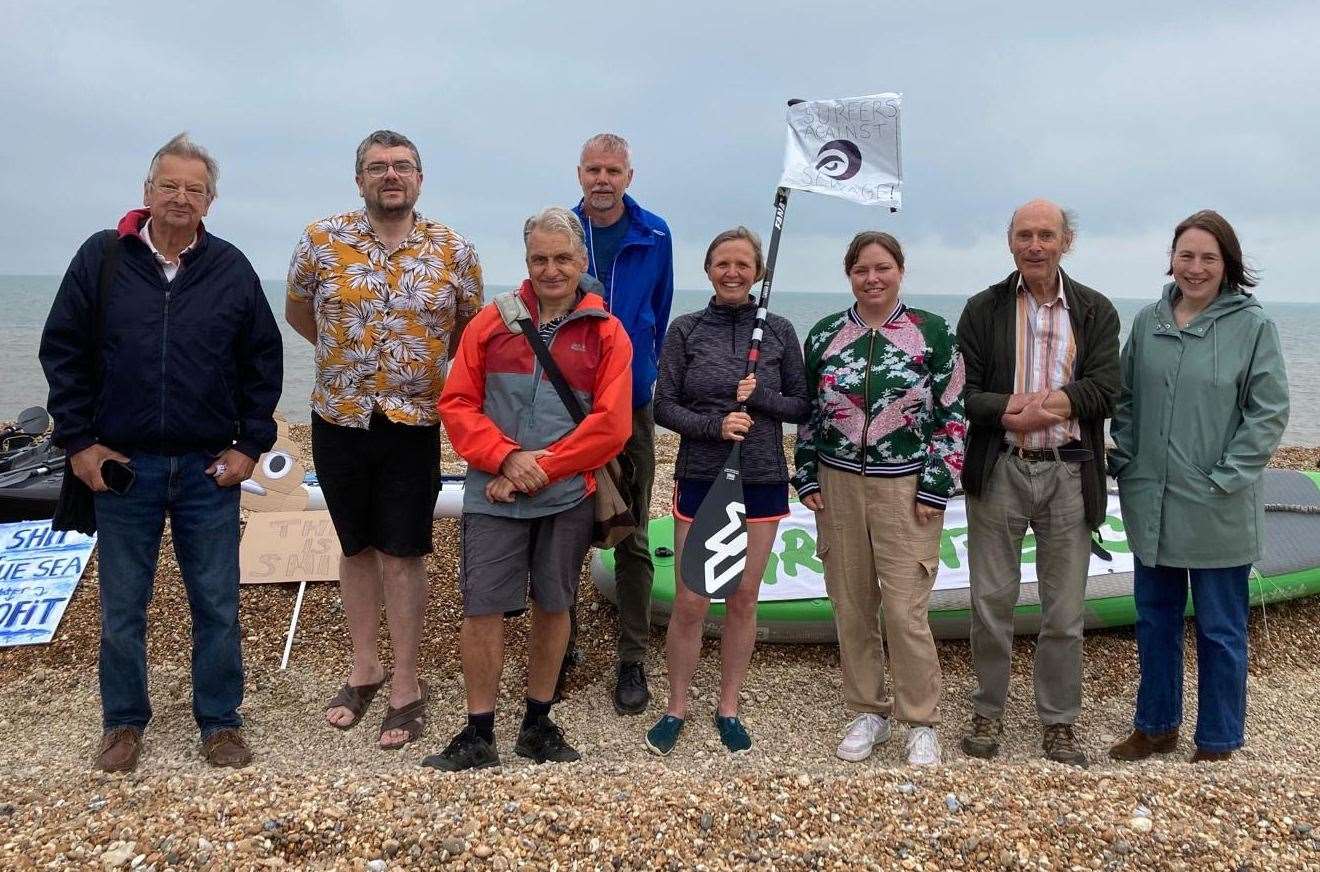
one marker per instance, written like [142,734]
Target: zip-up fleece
[704,359]
[498,400]
[195,364]
[888,402]
[641,289]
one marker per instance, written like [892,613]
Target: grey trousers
[1047,495]
[633,570]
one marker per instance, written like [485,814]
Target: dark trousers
[204,523]
[1220,597]
[633,571]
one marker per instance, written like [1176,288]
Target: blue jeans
[204,522]
[1220,599]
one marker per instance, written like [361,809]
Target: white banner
[795,572]
[846,148]
[39,570]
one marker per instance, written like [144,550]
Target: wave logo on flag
[846,148]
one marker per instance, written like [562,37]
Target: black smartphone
[117,475]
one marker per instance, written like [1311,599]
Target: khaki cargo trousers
[880,566]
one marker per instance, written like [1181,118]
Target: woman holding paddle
[877,461]
[700,389]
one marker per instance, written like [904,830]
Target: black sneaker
[630,693]
[467,750]
[543,741]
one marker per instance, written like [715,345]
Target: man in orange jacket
[527,507]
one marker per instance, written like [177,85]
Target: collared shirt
[1046,354]
[384,318]
[169,267]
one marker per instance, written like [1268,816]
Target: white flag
[846,148]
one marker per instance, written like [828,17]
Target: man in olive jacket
[1041,353]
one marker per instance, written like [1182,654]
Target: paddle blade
[33,421]
[715,550]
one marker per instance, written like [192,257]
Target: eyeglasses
[402,168]
[171,190]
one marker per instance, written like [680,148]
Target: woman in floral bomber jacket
[877,461]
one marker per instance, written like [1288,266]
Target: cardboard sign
[39,571]
[288,546]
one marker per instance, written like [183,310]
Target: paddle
[47,464]
[32,421]
[715,551]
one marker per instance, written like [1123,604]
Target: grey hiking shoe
[983,740]
[1061,746]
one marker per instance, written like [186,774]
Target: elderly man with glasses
[383,293]
[164,363]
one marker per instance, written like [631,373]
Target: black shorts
[763,502]
[380,484]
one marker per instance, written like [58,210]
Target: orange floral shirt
[384,319]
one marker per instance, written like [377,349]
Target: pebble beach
[317,798]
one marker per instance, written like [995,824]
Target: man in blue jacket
[630,252]
[164,364]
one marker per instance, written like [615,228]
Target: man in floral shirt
[383,293]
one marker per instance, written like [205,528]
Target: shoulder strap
[109,266]
[566,395]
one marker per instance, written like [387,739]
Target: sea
[25,300]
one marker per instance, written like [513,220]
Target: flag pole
[715,551]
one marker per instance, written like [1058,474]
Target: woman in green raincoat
[1204,402]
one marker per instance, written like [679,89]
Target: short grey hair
[182,146]
[389,139]
[608,142]
[556,219]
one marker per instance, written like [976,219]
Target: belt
[1070,453]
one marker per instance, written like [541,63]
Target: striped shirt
[1046,355]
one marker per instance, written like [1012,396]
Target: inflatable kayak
[794,607]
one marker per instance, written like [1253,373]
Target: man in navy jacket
[630,252]
[166,362]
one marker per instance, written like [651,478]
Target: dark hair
[389,139]
[1236,273]
[871,237]
[734,235]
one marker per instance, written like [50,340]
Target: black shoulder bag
[76,509]
[615,520]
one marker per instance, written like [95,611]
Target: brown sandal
[411,719]
[355,698]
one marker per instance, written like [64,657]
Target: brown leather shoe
[1202,756]
[1139,745]
[225,747]
[120,750]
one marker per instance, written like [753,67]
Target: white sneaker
[864,732]
[923,747]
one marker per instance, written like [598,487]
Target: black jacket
[987,338]
[704,358]
[190,365]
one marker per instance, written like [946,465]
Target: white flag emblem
[846,148]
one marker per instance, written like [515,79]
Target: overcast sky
[1134,114]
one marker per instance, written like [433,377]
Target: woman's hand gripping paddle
[715,550]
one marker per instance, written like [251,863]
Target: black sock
[484,724]
[535,710]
